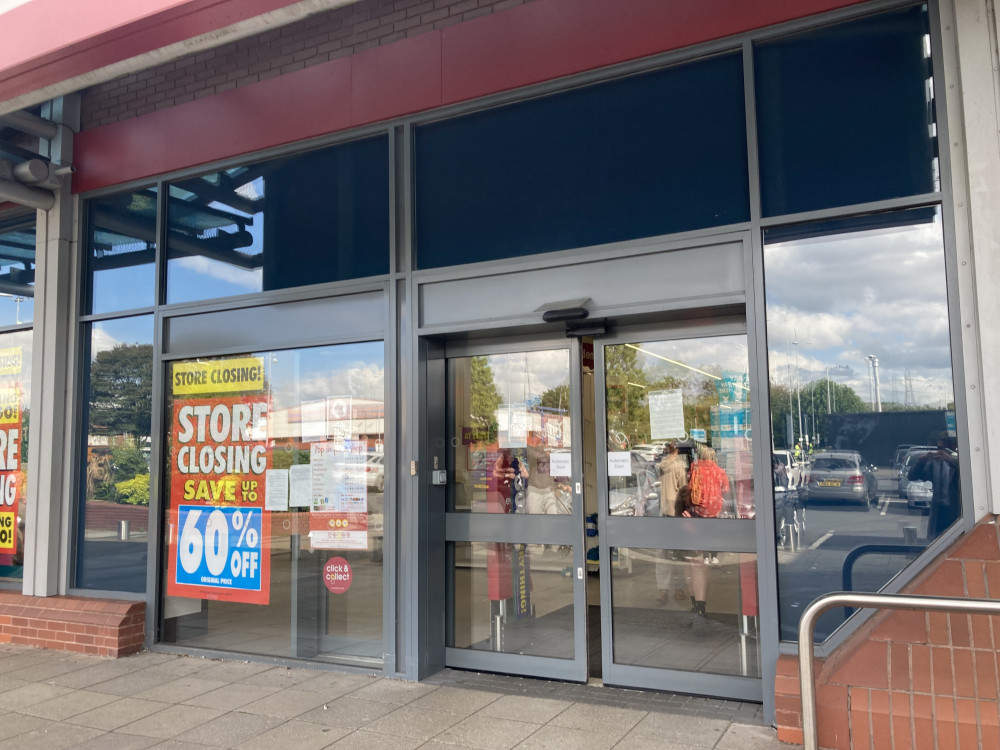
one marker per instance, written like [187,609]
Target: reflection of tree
[627,402]
[485,400]
[121,406]
[121,392]
[814,401]
[556,398]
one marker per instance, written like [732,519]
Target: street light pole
[798,392]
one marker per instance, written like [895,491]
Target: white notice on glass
[276,489]
[300,486]
[560,464]
[666,414]
[619,464]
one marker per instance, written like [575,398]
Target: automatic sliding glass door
[678,541]
[514,521]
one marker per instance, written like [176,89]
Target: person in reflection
[673,492]
[708,483]
[545,494]
[940,468]
[510,476]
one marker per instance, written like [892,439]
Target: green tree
[556,398]
[485,400]
[134,491]
[628,405]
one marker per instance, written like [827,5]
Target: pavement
[53,699]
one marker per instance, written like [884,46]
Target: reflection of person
[545,494]
[940,468]
[673,481]
[707,485]
[510,473]
[780,475]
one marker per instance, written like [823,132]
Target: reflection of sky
[107,334]
[300,375]
[845,296]
[523,375]
[713,354]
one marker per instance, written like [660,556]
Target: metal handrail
[807,679]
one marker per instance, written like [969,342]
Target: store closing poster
[11,474]
[219,530]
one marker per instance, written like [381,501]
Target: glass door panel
[514,514]
[678,542]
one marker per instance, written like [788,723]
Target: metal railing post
[807,678]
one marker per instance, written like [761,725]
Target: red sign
[218,459]
[11,474]
[337,575]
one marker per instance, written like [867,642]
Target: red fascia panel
[239,121]
[553,38]
[48,41]
[542,40]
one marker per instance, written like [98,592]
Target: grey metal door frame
[528,529]
[734,535]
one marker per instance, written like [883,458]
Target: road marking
[885,504]
[822,539]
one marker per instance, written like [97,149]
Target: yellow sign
[10,405]
[10,361]
[240,375]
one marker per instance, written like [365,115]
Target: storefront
[402,394]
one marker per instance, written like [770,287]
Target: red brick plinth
[912,680]
[104,627]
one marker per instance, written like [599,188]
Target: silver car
[840,475]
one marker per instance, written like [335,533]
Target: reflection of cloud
[249,279]
[846,296]
[313,374]
[522,374]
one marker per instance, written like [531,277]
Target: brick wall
[913,679]
[318,39]
[104,627]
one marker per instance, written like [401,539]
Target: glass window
[114,516]
[17,270]
[274,491]
[511,433]
[316,217]
[718,636]
[15,413]
[486,576]
[845,114]
[638,157]
[862,403]
[692,395]
[121,250]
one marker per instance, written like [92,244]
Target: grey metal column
[48,516]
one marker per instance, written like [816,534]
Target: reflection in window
[307,219]
[862,402]
[113,518]
[274,493]
[678,427]
[511,428]
[17,270]
[15,419]
[121,252]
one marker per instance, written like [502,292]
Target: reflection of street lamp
[876,397]
[831,394]
[798,393]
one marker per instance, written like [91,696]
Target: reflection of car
[909,460]
[840,475]
[918,494]
[636,494]
[792,467]
[375,472]
[651,453]
[900,454]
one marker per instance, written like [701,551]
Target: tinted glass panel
[274,492]
[15,413]
[121,252]
[317,217]
[845,114]
[643,156]
[865,463]
[114,514]
[17,271]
